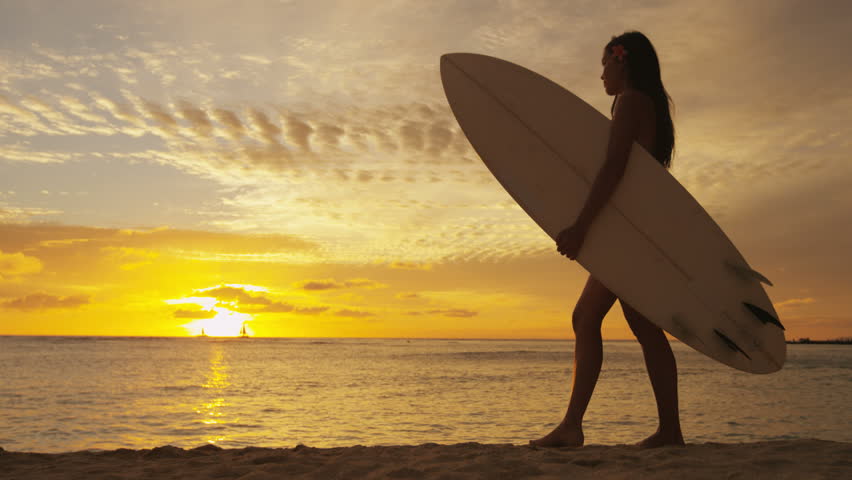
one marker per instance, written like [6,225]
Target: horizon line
[269,337]
[788,340]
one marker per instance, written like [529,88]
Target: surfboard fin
[747,273]
[763,315]
[730,343]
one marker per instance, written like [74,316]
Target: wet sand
[799,459]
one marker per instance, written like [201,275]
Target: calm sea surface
[61,394]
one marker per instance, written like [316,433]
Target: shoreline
[809,458]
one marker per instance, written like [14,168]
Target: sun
[226,323]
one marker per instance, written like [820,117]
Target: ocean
[60,394]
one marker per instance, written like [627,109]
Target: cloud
[298,132]
[819,322]
[234,294]
[410,265]
[346,312]
[232,125]
[129,258]
[197,118]
[363,283]
[76,107]
[454,312]
[90,247]
[268,131]
[62,242]
[284,307]
[794,302]
[257,303]
[195,314]
[10,214]
[163,238]
[17,264]
[43,301]
[162,119]
[407,295]
[58,121]
[331,284]
[260,60]
[122,111]
[329,135]
[447,312]
[19,114]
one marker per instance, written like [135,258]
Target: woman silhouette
[640,112]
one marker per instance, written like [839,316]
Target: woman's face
[614,75]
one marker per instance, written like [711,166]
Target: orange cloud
[43,301]
[234,294]
[331,284]
[64,239]
[408,295]
[248,303]
[284,307]
[131,257]
[15,264]
[454,312]
[195,314]
[346,312]
[795,302]
[411,265]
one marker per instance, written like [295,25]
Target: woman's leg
[662,369]
[594,303]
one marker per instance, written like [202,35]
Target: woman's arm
[624,129]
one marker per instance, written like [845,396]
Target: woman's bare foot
[662,439]
[561,436]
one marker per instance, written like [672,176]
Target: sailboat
[202,333]
[243,333]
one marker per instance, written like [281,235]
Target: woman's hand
[569,241]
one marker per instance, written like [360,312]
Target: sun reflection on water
[211,411]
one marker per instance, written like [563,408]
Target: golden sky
[294,165]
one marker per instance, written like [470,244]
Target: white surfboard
[652,244]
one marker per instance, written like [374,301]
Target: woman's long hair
[643,73]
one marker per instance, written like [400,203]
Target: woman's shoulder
[634,104]
[636,98]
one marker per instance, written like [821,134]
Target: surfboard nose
[449,58]
[451,65]
[458,58]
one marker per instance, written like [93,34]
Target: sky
[294,166]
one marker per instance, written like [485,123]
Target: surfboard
[652,244]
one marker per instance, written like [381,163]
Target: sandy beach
[793,459]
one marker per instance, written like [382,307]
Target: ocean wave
[489,355]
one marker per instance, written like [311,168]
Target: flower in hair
[619,52]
